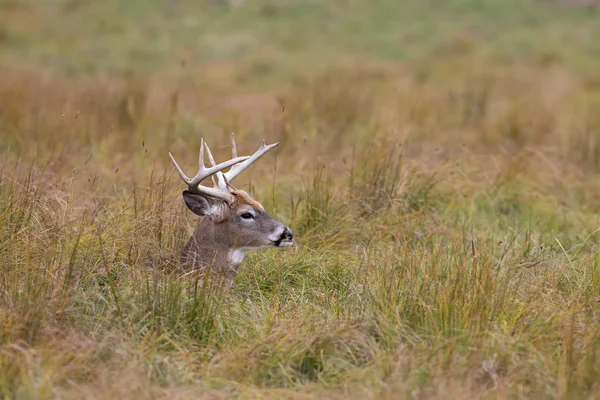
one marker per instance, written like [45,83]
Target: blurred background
[492,75]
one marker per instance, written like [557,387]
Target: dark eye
[247,216]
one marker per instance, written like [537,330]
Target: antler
[203,173]
[221,189]
[224,178]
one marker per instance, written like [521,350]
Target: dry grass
[446,211]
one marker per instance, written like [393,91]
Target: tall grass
[445,210]
[397,282]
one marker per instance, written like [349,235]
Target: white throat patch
[236,256]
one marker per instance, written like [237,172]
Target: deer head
[233,222]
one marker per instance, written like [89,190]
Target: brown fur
[223,235]
[244,198]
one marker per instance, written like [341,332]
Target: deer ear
[204,206]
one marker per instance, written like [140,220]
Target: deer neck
[209,247]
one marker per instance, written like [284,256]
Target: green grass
[276,36]
[438,163]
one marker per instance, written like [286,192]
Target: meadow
[439,164]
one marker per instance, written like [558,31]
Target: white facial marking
[273,237]
[215,210]
[236,256]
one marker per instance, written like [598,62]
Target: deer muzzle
[286,238]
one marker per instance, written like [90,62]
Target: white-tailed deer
[232,222]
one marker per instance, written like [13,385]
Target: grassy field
[439,165]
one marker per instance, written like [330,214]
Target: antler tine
[211,159]
[236,169]
[179,170]
[221,181]
[201,154]
[233,146]
[203,173]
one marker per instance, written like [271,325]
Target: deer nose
[287,234]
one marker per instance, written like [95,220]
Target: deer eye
[247,216]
